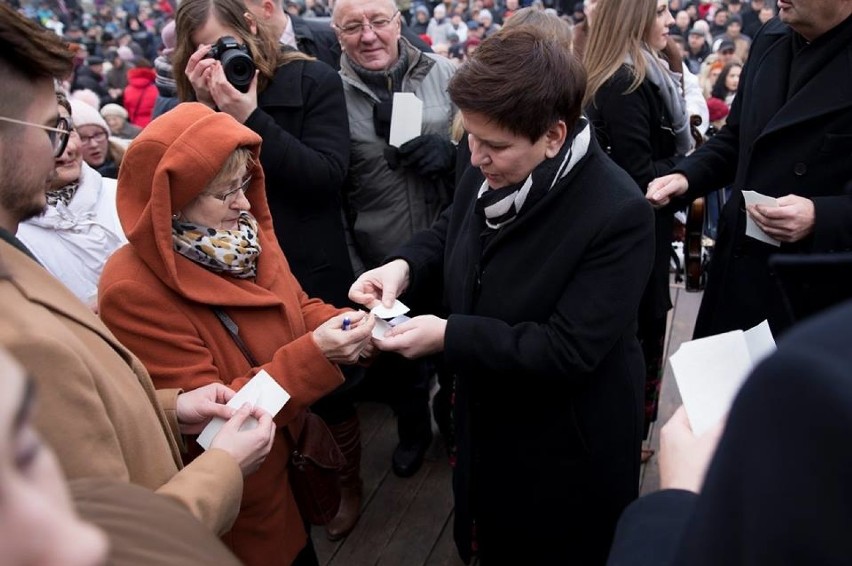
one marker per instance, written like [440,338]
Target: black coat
[760,505]
[548,372]
[301,117]
[775,146]
[635,130]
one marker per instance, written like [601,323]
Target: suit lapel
[828,91]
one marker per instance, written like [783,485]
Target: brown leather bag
[315,465]
[315,459]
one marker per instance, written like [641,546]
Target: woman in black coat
[541,260]
[639,113]
[296,104]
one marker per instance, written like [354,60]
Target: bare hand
[420,336]
[238,104]
[792,220]
[345,346]
[381,285]
[195,408]
[684,457]
[662,189]
[248,447]
[198,71]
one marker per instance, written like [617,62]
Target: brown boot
[348,437]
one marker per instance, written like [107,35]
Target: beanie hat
[84,115]
[717,109]
[126,54]
[169,38]
[113,110]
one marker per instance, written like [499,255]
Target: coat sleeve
[650,529]
[595,310]
[178,356]
[211,488]
[627,119]
[833,224]
[319,158]
[424,254]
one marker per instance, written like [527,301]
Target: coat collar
[825,93]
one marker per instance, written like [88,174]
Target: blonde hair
[619,28]
[240,160]
[263,47]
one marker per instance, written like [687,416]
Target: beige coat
[96,405]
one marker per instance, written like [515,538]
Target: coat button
[800,169]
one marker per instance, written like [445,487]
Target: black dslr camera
[236,61]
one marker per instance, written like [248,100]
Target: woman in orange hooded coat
[184,198]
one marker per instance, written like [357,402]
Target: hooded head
[167,166]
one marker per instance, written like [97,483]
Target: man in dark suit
[789,136]
[777,489]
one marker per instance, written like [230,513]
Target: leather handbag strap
[234,332]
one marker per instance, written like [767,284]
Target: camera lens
[239,69]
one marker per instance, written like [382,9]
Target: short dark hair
[524,80]
[28,53]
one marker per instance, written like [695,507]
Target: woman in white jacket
[79,229]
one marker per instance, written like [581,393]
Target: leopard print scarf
[232,252]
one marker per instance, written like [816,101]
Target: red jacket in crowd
[140,95]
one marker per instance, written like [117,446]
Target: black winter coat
[548,373]
[759,506]
[301,117]
[635,130]
[776,146]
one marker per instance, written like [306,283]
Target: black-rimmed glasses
[58,135]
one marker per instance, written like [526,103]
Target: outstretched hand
[421,336]
[662,189]
[381,285]
[195,408]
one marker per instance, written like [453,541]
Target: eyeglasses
[376,25]
[58,135]
[229,196]
[97,138]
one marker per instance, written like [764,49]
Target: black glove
[429,155]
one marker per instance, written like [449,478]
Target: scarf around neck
[63,194]
[669,84]
[232,252]
[501,206]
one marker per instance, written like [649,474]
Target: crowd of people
[198,192]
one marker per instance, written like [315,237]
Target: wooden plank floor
[409,522]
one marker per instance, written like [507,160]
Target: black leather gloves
[429,155]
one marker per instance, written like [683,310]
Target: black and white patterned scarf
[62,194]
[501,206]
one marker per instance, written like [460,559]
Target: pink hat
[169,39]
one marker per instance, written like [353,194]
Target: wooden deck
[408,522]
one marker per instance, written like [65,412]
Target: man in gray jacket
[394,192]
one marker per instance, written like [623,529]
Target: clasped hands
[792,220]
[420,336]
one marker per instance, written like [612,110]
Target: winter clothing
[140,95]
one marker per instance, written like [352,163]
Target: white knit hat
[84,115]
[113,109]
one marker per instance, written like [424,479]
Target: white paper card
[710,371]
[260,391]
[406,118]
[394,311]
[382,326]
[752,229]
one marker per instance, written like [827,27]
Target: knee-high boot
[348,437]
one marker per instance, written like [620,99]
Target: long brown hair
[618,28]
[263,46]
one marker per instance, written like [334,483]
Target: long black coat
[301,117]
[775,146]
[760,506]
[635,130]
[548,372]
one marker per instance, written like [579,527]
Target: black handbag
[315,459]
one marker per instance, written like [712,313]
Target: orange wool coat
[159,304]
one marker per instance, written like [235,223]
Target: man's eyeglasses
[376,25]
[58,135]
[96,137]
[229,196]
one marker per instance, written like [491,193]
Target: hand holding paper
[420,336]
[753,229]
[381,285]
[709,371]
[344,346]
[790,219]
[406,118]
